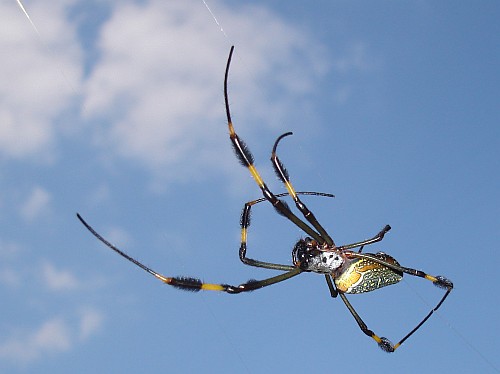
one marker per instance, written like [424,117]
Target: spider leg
[283,175]
[380,235]
[194,284]
[383,343]
[438,281]
[331,286]
[246,159]
[245,223]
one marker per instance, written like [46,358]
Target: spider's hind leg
[438,281]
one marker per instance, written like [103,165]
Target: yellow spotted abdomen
[364,275]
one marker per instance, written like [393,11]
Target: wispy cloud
[157,86]
[153,92]
[33,91]
[53,336]
[90,323]
[56,334]
[37,202]
[56,279]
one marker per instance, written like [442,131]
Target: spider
[345,271]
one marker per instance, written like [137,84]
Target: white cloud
[156,89]
[36,203]
[153,93]
[39,76]
[56,335]
[53,336]
[90,322]
[118,236]
[58,280]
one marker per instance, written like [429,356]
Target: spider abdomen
[363,275]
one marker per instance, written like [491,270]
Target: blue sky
[115,110]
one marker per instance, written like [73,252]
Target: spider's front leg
[246,159]
[195,284]
[283,175]
[245,224]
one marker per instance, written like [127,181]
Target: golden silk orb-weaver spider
[345,271]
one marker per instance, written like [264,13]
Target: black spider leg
[245,223]
[380,235]
[384,343]
[194,284]
[246,159]
[283,175]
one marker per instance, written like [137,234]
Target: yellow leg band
[212,287]
[291,190]
[256,175]
[243,235]
[430,277]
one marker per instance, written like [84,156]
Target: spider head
[308,255]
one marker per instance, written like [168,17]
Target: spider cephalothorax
[308,255]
